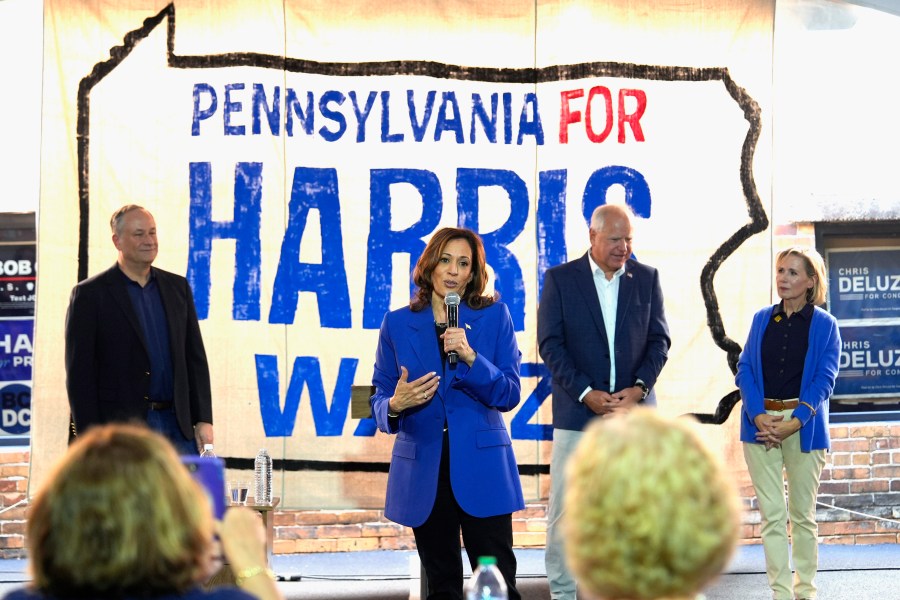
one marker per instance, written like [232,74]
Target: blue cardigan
[819,373]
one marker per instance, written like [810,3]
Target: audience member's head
[649,512]
[119,516]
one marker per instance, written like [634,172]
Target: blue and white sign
[16,349]
[18,270]
[864,283]
[870,362]
[15,408]
[297,162]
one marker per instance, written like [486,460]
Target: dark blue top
[218,593]
[783,351]
[439,329]
[152,316]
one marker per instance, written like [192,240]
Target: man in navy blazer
[603,335]
[133,346]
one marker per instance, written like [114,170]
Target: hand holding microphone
[455,343]
[451,301]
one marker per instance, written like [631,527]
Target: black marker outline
[758,220]
[294,465]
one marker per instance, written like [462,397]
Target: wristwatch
[644,389]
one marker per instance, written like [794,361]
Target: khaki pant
[767,468]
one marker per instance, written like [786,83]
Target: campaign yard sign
[864,295]
[18,271]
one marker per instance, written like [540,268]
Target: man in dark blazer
[602,332]
[133,346]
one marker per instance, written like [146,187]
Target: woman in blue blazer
[786,375]
[452,466]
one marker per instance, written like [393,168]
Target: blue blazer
[820,370]
[483,470]
[572,337]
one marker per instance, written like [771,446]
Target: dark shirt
[439,329]
[784,347]
[151,314]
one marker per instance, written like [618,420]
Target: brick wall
[13,491]
[862,475]
[350,530]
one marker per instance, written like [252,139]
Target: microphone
[451,301]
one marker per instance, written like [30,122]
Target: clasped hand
[773,429]
[604,403]
[408,394]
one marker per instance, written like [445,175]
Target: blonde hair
[649,511]
[815,269]
[118,516]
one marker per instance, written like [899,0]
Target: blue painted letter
[313,189]
[384,242]
[507,272]
[244,229]
[205,113]
[278,422]
[637,192]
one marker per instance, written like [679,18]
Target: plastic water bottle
[263,467]
[208,451]
[486,582]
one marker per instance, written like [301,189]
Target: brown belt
[160,405]
[780,404]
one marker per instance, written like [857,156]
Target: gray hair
[115,222]
[598,217]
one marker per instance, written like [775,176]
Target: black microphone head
[451,299]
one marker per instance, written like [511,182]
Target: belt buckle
[780,403]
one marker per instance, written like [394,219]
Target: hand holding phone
[209,473]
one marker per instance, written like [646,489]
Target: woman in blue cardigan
[786,375]
[452,467]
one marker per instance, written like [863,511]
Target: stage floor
[845,573]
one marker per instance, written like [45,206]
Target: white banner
[297,162]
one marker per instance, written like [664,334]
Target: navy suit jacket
[483,470]
[572,338]
[107,364]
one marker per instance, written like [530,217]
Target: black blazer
[107,365]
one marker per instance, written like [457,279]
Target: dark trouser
[165,423]
[437,541]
